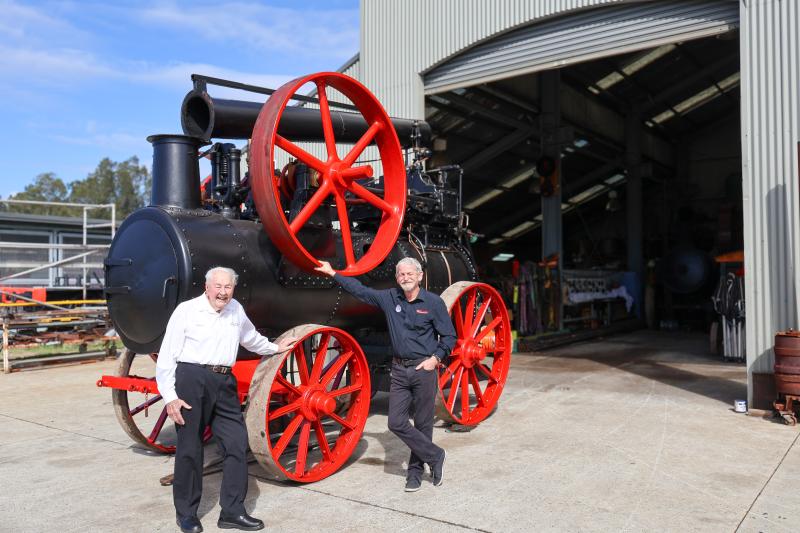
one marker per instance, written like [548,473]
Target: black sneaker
[413,484]
[437,470]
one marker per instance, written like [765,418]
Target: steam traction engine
[305,410]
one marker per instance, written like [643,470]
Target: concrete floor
[631,433]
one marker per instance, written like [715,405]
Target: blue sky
[80,81]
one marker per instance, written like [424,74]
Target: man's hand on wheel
[174,410]
[325,268]
[286,344]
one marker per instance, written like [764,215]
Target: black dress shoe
[190,524]
[243,521]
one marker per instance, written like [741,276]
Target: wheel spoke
[322,439]
[476,386]
[327,126]
[334,367]
[360,191]
[345,390]
[464,395]
[322,351]
[487,372]
[283,381]
[341,421]
[493,324]
[136,410]
[448,373]
[302,449]
[159,425]
[469,312]
[300,154]
[302,367]
[285,410]
[362,143]
[479,318]
[311,206]
[283,441]
[344,226]
[451,399]
[458,319]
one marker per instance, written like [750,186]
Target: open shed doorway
[685,100]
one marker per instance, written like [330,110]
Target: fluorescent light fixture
[703,97]
[496,240]
[519,177]
[519,229]
[485,197]
[616,178]
[569,149]
[580,143]
[538,217]
[588,194]
[502,257]
[634,66]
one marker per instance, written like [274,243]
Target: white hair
[229,271]
[408,261]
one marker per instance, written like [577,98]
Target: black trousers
[214,402]
[418,386]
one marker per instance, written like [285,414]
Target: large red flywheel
[471,382]
[337,174]
[308,407]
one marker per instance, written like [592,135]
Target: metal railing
[84,248]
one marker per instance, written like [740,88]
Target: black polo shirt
[419,328]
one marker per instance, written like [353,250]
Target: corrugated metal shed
[770,85]
[400,40]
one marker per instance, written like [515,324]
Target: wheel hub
[472,352]
[316,403]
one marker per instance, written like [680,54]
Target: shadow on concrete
[658,356]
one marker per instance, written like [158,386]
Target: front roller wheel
[473,379]
[144,416]
[308,407]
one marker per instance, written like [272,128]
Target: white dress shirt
[197,333]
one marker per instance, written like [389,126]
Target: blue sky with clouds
[80,81]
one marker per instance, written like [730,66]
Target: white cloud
[307,32]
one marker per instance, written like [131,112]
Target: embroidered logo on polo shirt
[422,311]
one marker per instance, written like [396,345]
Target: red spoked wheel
[337,175]
[144,416]
[473,379]
[308,408]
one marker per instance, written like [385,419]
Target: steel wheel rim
[132,419]
[337,174]
[478,312]
[308,447]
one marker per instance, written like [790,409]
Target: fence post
[6,363]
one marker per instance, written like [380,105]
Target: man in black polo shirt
[422,336]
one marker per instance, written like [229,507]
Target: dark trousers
[420,387]
[214,402]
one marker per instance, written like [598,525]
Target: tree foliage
[126,184]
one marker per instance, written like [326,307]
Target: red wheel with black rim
[337,175]
[308,407]
[144,416]
[471,382]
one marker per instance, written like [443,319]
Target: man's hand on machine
[325,268]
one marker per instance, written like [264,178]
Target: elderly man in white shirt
[194,378]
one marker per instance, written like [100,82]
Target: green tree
[46,187]
[125,184]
